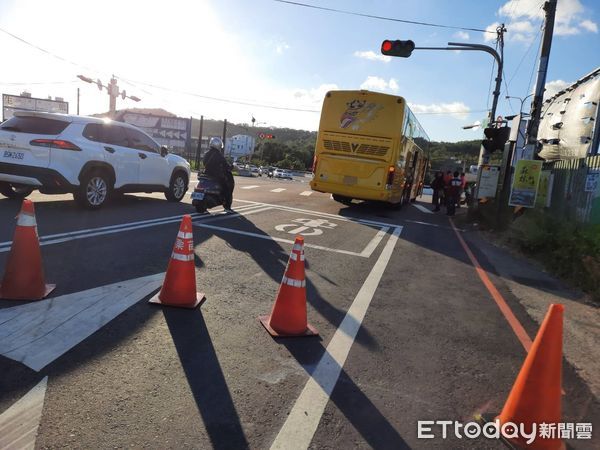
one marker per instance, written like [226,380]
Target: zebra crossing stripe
[306,193]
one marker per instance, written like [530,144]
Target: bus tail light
[390,177]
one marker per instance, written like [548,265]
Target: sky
[274,61]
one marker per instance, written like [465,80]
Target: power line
[391,19]
[43,50]
[224,100]
[38,83]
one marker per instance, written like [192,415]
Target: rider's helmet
[216,143]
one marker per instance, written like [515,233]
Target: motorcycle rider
[216,166]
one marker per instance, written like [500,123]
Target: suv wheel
[94,190]
[177,187]
[15,191]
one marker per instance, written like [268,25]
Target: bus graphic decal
[357,113]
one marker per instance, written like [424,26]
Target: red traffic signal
[266,136]
[402,49]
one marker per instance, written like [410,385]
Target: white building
[239,145]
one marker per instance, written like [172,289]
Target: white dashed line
[306,193]
[422,208]
[250,187]
[278,190]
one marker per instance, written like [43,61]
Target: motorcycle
[207,194]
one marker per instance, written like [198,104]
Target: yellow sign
[525,183]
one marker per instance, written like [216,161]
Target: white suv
[90,157]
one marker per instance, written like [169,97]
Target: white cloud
[462,35]
[555,86]
[280,47]
[373,83]
[372,56]
[455,108]
[524,17]
[488,36]
[589,26]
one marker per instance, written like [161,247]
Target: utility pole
[536,104]
[224,134]
[77,101]
[199,147]
[113,92]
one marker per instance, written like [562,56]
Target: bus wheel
[342,199]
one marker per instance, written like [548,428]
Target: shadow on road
[272,259]
[205,377]
[351,401]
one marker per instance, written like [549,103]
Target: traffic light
[397,48]
[495,138]
[266,136]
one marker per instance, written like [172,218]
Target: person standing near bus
[438,186]
[453,194]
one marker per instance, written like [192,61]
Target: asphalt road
[407,331]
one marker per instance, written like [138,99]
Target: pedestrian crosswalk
[306,193]
[278,190]
[250,187]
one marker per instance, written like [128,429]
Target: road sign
[308,227]
[488,182]
[12,103]
[525,183]
[170,131]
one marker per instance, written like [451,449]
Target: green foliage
[569,250]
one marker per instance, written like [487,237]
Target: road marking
[422,209]
[322,214]
[278,190]
[370,248]
[307,224]
[277,239]
[250,187]
[504,308]
[306,193]
[302,422]
[37,333]
[19,423]
[111,229]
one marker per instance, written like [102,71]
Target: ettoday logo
[431,429]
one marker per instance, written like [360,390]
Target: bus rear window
[34,125]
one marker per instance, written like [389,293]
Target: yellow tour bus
[370,146]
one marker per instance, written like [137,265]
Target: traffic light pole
[483,155]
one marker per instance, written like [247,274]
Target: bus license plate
[14,155]
[350,180]
[197,195]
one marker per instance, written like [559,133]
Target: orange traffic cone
[288,317]
[24,274]
[535,397]
[179,287]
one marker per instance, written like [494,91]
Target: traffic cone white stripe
[294,256]
[293,282]
[26,220]
[183,235]
[179,257]
[297,247]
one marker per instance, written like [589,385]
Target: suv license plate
[197,195]
[14,155]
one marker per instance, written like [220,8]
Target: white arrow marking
[36,334]
[20,422]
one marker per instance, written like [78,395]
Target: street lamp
[522,100]
[113,92]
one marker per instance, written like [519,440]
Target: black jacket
[438,183]
[215,165]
